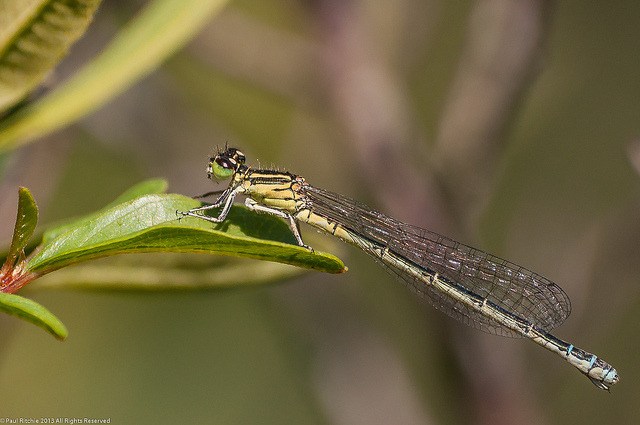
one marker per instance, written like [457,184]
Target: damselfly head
[224,164]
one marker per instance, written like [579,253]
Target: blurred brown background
[509,125]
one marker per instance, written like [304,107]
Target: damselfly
[479,289]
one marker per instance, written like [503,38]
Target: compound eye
[222,168]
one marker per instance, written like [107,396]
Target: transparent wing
[506,285]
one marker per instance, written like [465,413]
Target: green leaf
[145,188]
[26,221]
[166,272]
[34,36]
[150,224]
[33,312]
[157,32]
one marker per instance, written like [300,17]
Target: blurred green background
[511,126]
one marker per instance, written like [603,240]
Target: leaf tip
[61,334]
